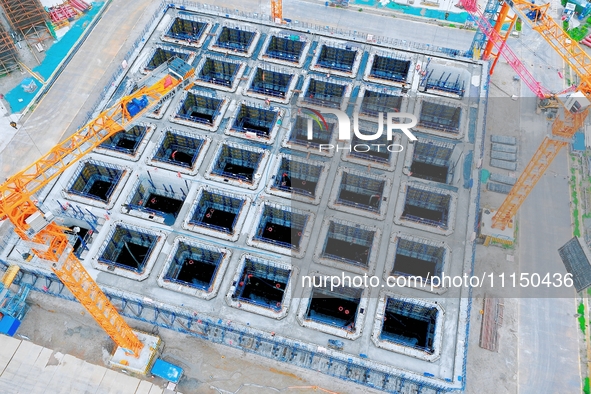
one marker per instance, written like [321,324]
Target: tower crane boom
[575,107]
[47,239]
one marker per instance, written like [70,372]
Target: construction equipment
[49,241]
[12,305]
[575,105]
[277,11]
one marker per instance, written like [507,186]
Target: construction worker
[13,124]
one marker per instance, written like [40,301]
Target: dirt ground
[208,368]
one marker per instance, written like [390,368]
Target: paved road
[548,337]
[77,88]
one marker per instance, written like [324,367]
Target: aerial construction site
[214,192]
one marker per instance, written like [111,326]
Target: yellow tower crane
[46,239]
[494,223]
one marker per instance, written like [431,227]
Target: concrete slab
[118,383]
[144,387]
[8,346]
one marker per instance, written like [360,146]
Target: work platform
[207,218]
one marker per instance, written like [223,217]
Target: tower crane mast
[277,10]
[46,239]
[575,106]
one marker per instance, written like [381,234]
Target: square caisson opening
[179,150]
[128,248]
[338,59]
[218,72]
[428,207]
[431,160]
[162,55]
[286,49]
[270,83]
[235,39]
[262,283]
[158,199]
[324,94]
[409,324]
[255,120]
[440,117]
[186,29]
[349,244]
[361,192]
[321,132]
[297,177]
[280,226]
[127,141]
[237,163]
[390,69]
[376,150]
[418,258]
[337,307]
[218,211]
[376,103]
[194,266]
[199,109]
[96,181]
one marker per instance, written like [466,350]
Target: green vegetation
[360,10]
[586,388]
[581,319]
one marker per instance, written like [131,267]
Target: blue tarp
[579,142]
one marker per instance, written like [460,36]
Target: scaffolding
[203,108]
[348,243]
[288,48]
[337,57]
[418,257]
[297,177]
[324,93]
[217,210]
[431,160]
[440,116]
[253,118]
[320,135]
[390,68]
[128,247]
[179,149]
[126,141]
[186,28]
[359,191]
[246,338]
[269,81]
[219,72]
[28,17]
[427,206]
[162,54]
[237,162]
[8,54]
[160,199]
[235,39]
[195,265]
[376,102]
[262,283]
[336,306]
[281,226]
[444,83]
[410,323]
[95,180]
